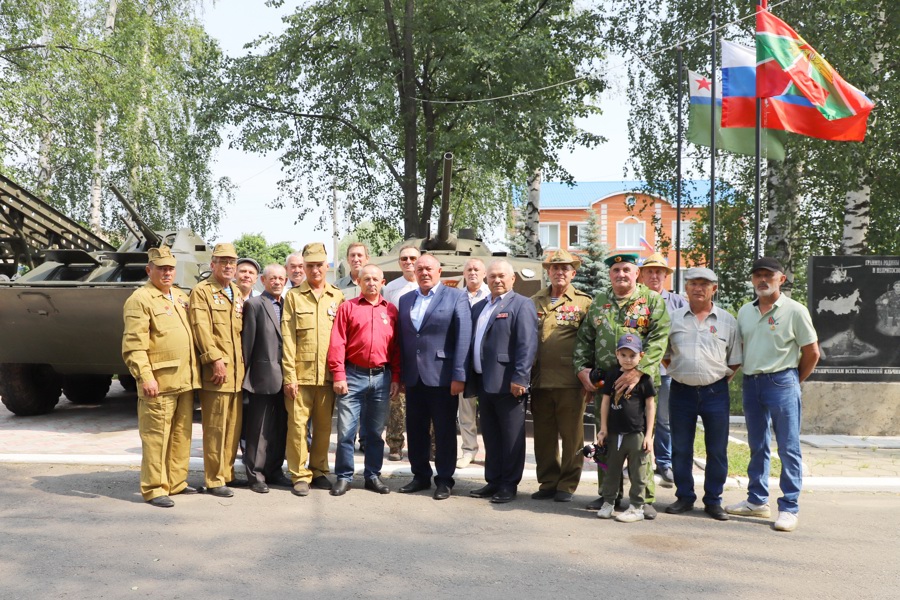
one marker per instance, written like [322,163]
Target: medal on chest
[384,318]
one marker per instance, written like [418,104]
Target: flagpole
[756,198]
[679,52]
[712,146]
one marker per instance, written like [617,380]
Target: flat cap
[224,250]
[768,263]
[656,260]
[701,273]
[626,257]
[161,257]
[562,257]
[250,261]
[314,252]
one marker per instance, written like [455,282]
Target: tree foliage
[147,81]
[378,238]
[367,96]
[593,275]
[255,246]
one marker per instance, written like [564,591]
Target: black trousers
[265,435]
[503,430]
[426,405]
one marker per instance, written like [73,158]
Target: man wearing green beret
[626,306]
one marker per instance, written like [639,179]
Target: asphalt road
[83,532]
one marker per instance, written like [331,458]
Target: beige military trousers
[558,416]
[313,403]
[222,413]
[164,424]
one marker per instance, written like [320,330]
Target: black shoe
[321,483]
[442,492]
[543,494]
[237,483]
[415,485]
[259,487]
[503,496]
[485,491]
[340,488]
[161,502]
[716,512]
[279,481]
[563,496]
[595,504]
[188,490]
[649,512]
[682,505]
[376,485]
[223,491]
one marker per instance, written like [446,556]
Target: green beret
[621,258]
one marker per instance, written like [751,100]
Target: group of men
[415,354]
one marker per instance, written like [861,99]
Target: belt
[708,385]
[755,375]
[367,370]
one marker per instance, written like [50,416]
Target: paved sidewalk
[107,434]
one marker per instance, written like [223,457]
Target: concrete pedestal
[851,408]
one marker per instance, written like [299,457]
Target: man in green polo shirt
[780,351]
[626,306]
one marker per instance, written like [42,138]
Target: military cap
[624,257]
[767,263]
[656,260]
[701,273]
[314,252]
[249,260]
[161,257]
[224,250]
[562,257]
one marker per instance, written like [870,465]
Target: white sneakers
[465,460]
[606,511]
[785,522]
[747,509]
[631,515]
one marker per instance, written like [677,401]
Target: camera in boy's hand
[597,376]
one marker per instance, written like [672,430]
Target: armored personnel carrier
[61,322]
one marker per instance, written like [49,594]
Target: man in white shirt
[476,291]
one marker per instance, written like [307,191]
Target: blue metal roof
[582,194]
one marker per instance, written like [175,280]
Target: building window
[577,235]
[686,227]
[629,234]
[549,234]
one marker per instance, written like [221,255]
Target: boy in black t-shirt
[626,428]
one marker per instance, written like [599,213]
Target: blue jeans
[774,398]
[662,440]
[369,395]
[711,404]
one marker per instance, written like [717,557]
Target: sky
[237,22]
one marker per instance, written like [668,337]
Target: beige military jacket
[217,323]
[158,342]
[306,330]
[557,330]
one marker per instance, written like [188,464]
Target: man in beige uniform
[557,397]
[158,348]
[309,311]
[217,318]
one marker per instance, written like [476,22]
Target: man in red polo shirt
[364,359]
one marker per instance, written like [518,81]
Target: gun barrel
[153,239]
[444,222]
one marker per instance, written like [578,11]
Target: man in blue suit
[504,346]
[435,333]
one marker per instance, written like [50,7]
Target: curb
[474,473]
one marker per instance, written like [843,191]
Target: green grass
[738,457]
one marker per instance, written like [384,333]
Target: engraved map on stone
[840,305]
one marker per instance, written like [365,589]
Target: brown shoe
[301,488]
[395,455]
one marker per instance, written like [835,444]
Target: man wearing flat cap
[158,348]
[654,272]
[309,312]
[217,310]
[248,271]
[780,351]
[626,306]
[557,397]
[704,353]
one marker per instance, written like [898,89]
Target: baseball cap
[630,341]
[768,263]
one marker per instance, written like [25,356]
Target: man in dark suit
[435,329]
[265,419]
[504,346]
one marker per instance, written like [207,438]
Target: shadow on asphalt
[118,485]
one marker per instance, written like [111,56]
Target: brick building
[625,215]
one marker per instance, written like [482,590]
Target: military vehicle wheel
[128,382]
[86,389]
[29,390]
